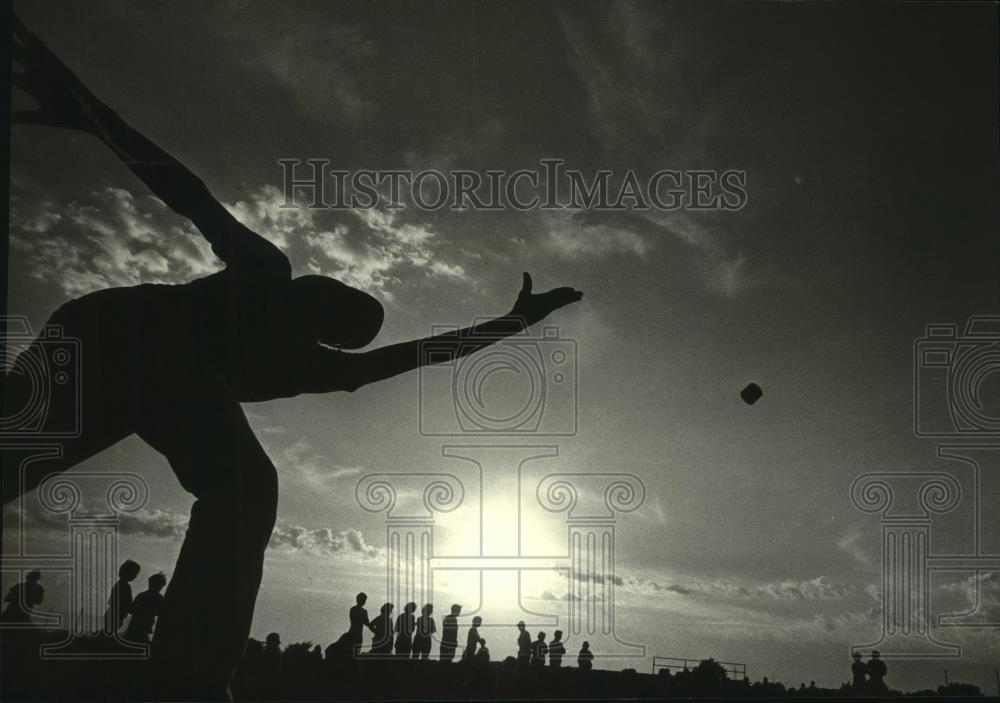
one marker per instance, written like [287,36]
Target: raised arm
[64,101]
[331,370]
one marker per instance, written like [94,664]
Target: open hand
[534,307]
[60,94]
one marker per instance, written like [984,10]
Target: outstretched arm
[64,101]
[331,370]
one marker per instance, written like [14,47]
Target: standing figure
[382,630]
[472,639]
[424,632]
[556,650]
[145,609]
[876,672]
[585,659]
[523,645]
[358,617]
[858,672]
[22,598]
[449,633]
[405,624]
[271,669]
[538,651]
[177,361]
[20,664]
[120,600]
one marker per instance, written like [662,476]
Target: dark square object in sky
[751,394]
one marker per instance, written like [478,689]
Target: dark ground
[300,672]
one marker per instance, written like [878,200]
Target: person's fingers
[566,295]
[526,283]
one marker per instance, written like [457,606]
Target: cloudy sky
[868,136]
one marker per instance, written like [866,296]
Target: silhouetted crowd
[397,664]
[23,597]
[410,637]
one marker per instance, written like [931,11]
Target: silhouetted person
[876,672]
[272,645]
[472,639]
[22,598]
[538,651]
[120,599]
[382,630]
[585,659]
[340,654]
[145,609]
[405,624]
[858,671]
[359,621]
[176,361]
[20,665]
[449,633]
[684,682]
[482,658]
[270,674]
[523,644]
[556,649]
[424,632]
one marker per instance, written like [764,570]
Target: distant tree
[959,689]
[709,676]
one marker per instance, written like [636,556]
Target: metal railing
[734,670]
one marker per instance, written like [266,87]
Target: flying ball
[751,394]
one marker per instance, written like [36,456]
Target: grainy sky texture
[869,138]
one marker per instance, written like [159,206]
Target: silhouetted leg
[209,602]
